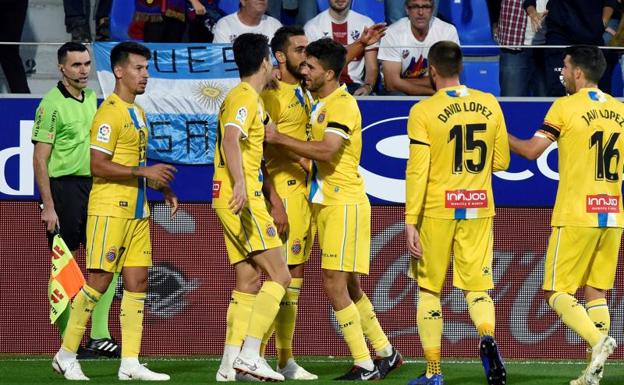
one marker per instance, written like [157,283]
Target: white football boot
[292,371]
[133,370]
[69,368]
[256,367]
[603,349]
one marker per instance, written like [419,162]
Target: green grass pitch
[201,370]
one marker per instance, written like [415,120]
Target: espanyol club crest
[270,230]
[296,247]
[321,117]
[111,254]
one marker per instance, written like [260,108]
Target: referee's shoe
[100,348]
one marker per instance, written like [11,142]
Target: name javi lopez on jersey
[454,108]
[603,113]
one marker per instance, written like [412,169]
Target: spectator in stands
[201,21]
[250,18]
[405,47]
[305,9]
[164,21]
[345,26]
[12,18]
[572,22]
[395,10]
[521,71]
[77,19]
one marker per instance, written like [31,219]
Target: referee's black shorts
[71,197]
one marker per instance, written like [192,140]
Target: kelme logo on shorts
[464,199]
[270,230]
[111,254]
[603,203]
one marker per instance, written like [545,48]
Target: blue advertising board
[384,155]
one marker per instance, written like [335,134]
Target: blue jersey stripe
[140,199]
[460,213]
[602,219]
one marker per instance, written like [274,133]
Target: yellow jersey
[457,138]
[119,130]
[289,107]
[588,128]
[338,182]
[243,109]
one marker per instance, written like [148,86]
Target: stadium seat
[228,6]
[121,15]
[472,20]
[322,5]
[482,75]
[616,82]
[371,8]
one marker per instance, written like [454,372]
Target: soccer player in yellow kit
[340,207]
[288,104]
[251,237]
[118,237]
[457,139]
[587,218]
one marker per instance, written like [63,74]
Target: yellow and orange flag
[66,279]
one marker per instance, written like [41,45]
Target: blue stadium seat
[616,81]
[482,75]
[371,8]
[322,5]
[121,15]
[472,20]
[228,6]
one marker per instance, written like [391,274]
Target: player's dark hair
[120,53]
[330,54]
[250,49]
[408,1]
[279,42]
[70,46]
[589,59]
[446,57]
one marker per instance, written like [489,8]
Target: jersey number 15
[465,142]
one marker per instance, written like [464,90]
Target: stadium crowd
[397,66]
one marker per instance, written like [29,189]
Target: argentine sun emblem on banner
[187,84]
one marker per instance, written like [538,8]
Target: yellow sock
[81,310]
[575,317]
[481,309]
[266,338]
[265,309]
[598,312]
[433,362]
[238,314]
[285,322]
[430,324]
[370,325]
[351,327]
[131,320]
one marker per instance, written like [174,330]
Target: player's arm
[278,211]
[394,82]
[501,156]
[234,161]
[41,155]
[529,148]
[102,166]
[370,36]
[321,150]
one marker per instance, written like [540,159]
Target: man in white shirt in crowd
[250,18]
[404,49]
[345,26]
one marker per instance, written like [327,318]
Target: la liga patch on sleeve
[104,133]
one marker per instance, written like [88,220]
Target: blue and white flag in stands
[187,84]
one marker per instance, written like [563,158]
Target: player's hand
[198,7]
[280,218]
[239,198]
[49,217]
[160,173]
[413,241]
[270,133]
[306,164]
[373,34]
[171,200]
[537,20]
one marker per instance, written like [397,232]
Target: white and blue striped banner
[186,87]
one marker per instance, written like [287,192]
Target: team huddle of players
[286,171]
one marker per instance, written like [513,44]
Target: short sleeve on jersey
[342,118]
[46,120]
[416,128]
[105,131]
[553,122]
[240,112]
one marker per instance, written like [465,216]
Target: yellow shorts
[579,256]
[300,237]
[252,230]
[114,243]
[344,236]
[471,243]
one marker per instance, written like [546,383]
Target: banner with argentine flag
[187,84]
